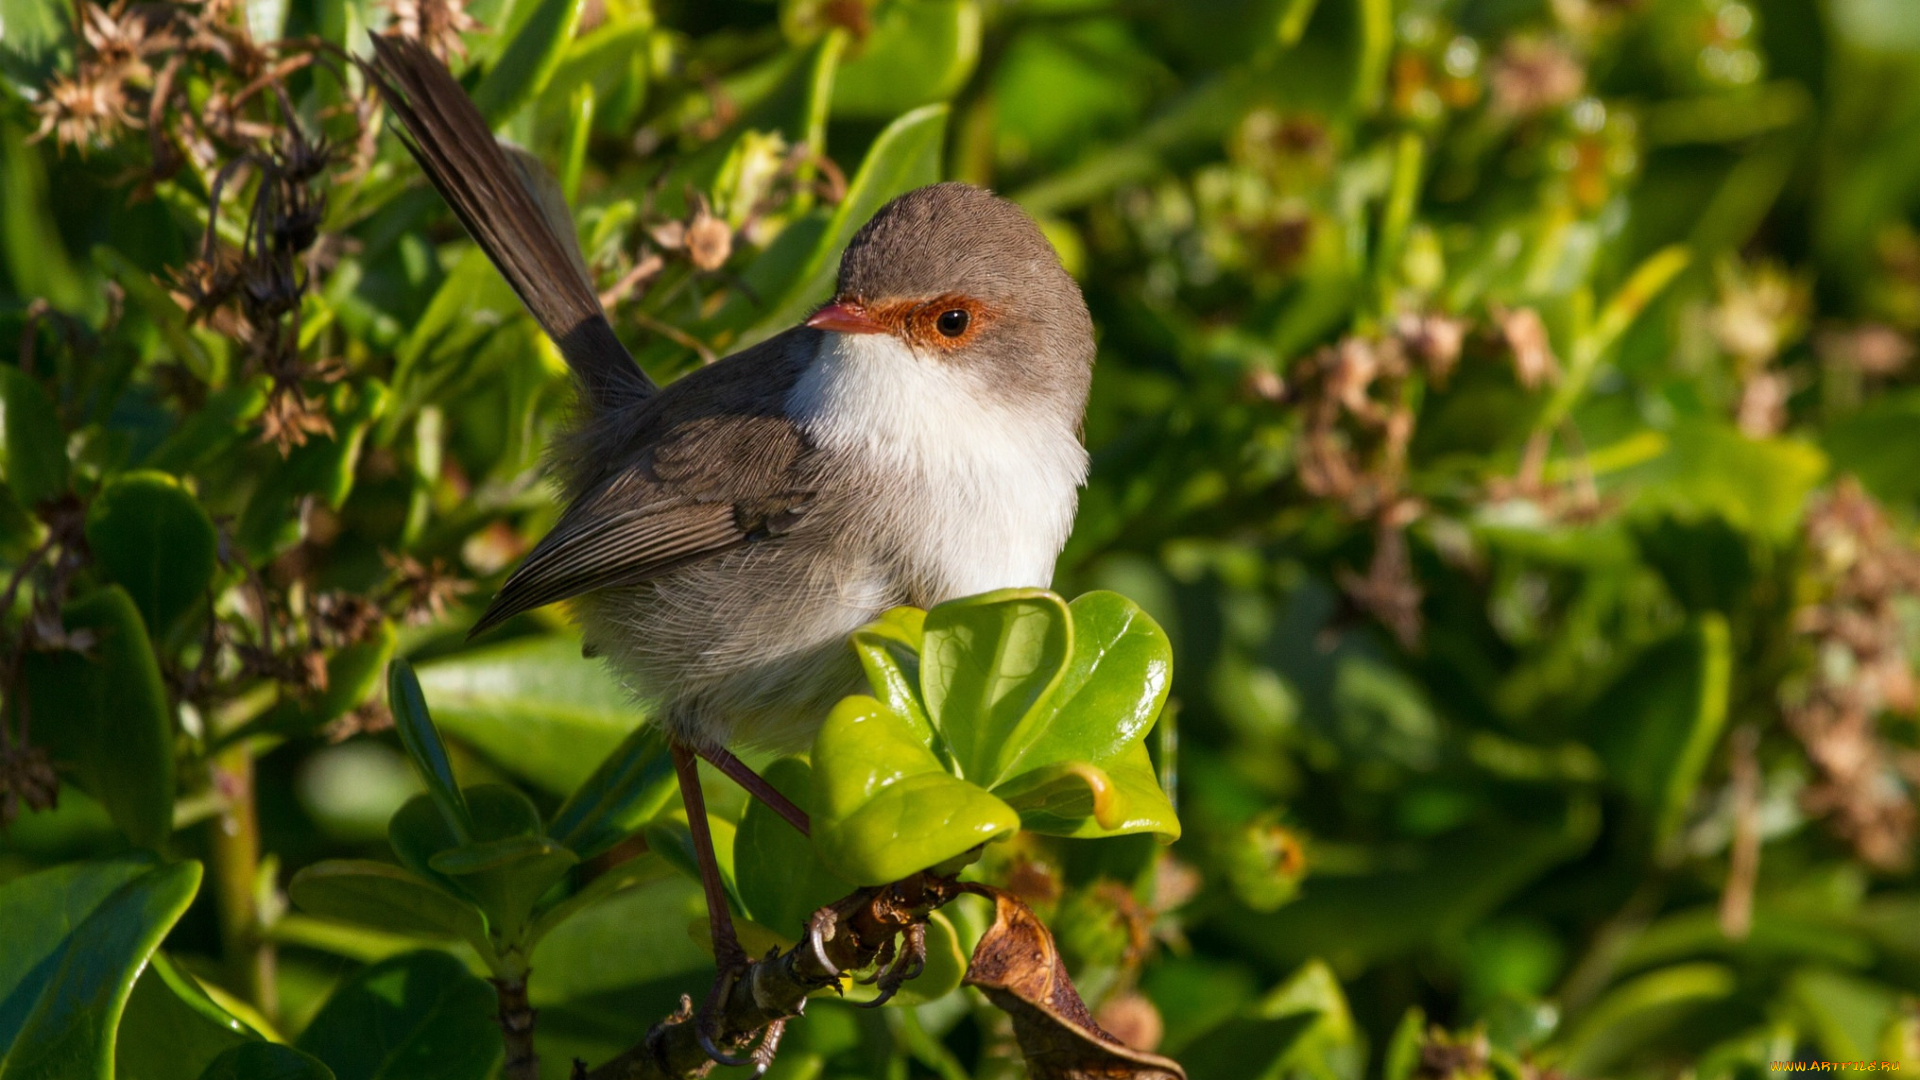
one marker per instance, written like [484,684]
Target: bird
[916,439]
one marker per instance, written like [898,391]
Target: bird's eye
[952,323]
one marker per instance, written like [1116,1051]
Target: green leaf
[71,947]
[36,447]
[171,1029]
[918,52]
[219,425]
[323,468]
[37,39]
[889,652]
[988,666]
[353,674]
[104,716]
[36,254]
[1710,468]
[641,870]
[414,725]
[265,1061]
[535,42]
[1637,1012]
[420,1016]
[885,806]
[631,786]
[533,707]
[1302,1028]
[1083,800]
[1874,445]
[1657,725]
[781,880]
[151,537]
[504,867]
[1113,689]
[905,156]
[387,897]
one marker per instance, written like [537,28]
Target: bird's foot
[709,1023]
[899,964]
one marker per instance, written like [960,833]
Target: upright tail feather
[523,227]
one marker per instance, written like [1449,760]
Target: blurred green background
[1508,408]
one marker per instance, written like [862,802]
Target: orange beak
[845,317]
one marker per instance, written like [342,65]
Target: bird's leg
[757,786]
[727,953]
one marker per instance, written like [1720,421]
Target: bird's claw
[905,965]
[708,1023]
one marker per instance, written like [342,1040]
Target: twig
[845,937]
[516,1027]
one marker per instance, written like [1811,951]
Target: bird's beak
[845,317]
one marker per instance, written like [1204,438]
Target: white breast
[985,494]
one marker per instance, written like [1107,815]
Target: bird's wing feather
[709,485]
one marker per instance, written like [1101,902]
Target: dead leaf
[1019,969]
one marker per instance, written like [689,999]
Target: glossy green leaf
[533,706]
[36,447]
[104,716]
[386,897]
[414,725]
[75,939]
[150,537]
[781,880]
[171,1029]
[266,1061]
[885,806]
[918,52]
[905,156]
[631,786]
[1114,686]
[535,41]
[889,652]
[353,675]
[420,1016]
[988,667]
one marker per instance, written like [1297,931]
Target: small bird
[917,439]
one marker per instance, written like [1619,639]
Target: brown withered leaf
[1019,969]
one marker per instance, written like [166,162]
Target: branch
[852,934]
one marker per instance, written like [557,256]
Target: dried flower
[291,417]
[1525,335]
[1445,1056]
[1132,1019]
[85,110]
[1534,74]
[1873,349]
[27,779]
[1862,572]
[437,24]
[422,590]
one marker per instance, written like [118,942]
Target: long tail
[514,211]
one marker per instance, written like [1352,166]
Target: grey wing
[660,514]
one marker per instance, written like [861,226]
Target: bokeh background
[1508,407]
